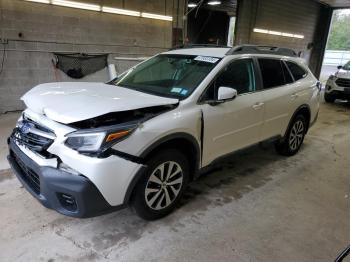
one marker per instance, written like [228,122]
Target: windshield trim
[149,93]
[116,82]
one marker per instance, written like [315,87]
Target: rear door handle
[257,106]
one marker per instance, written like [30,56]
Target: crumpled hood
[343,74]
[71,102]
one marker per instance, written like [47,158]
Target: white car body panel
[180,120]
[63,102]
[282,102]
[232,125]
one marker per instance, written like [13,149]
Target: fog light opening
[67,201]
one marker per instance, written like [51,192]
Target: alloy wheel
[164,185]
[296,135]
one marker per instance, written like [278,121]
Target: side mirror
[226,93]
[339,67]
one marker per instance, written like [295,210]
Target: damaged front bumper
[74,195]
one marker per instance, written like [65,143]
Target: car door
[236,123]
[279,95]
[307,88]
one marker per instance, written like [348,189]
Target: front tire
[162,184]
[329,98]
[294,137]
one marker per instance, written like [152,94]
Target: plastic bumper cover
[337,94]
[69,194]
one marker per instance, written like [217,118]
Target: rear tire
[329,98]
[293,138]
[162,184]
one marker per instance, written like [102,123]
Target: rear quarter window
[272,72]
[297,71]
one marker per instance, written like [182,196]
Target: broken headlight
[99,139]
[332,77]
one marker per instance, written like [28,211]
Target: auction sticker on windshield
[207,59]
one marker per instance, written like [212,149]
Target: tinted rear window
[297,71]
[272,72]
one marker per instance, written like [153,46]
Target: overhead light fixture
[299,36]
[192,5]
[287,34]
[78,5]
[154,16]
[270,32]
[40,1]
[214,2]
[257,30]
[99,8]
[274,33]
[120,11]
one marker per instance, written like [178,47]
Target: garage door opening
[337,52]
[211,22]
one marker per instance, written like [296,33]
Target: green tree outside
[339,37]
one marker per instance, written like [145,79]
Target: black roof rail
[261,49]
[198,46]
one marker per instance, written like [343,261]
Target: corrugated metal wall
[303,17]
[293,16]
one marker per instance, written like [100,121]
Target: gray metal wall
[46,29]
[305,17]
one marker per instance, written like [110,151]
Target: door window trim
[257,78]
[302,67]
[283,60]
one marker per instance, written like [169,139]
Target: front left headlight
[97,140]
[85,142]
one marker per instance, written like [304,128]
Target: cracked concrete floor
[254,206]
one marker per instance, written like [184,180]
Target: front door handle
[257,106]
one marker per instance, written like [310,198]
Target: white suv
[338,85]
[85,149]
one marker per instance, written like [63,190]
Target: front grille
[34,136]
[343,82]
[28,175]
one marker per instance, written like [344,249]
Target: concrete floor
[255,206]
[7,122]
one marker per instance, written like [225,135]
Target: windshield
[175,76]
[347,66]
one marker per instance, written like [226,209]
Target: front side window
[175,76]
[238,75]
[297,71]
[272,72]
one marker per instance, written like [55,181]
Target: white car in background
[85,149]
[338,85]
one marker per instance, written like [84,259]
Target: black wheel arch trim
[296,112]
[132,184]
[144,154]
[173,136]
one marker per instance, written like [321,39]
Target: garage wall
[36,30]
[305,17]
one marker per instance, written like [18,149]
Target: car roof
[203,51]
[221,52]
